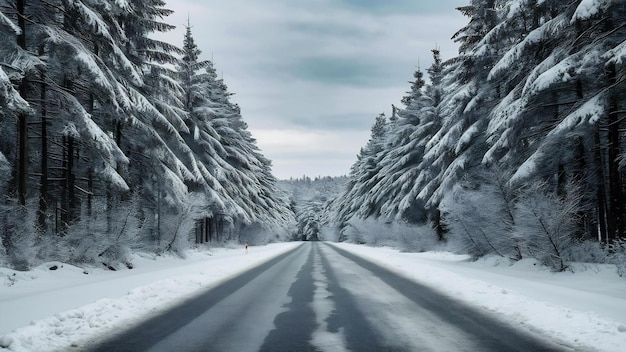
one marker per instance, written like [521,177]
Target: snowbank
[586,309]
[47,310]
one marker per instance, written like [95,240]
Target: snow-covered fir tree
[531,105]
[397,150]
[97,124]
[234,168]
[363,174]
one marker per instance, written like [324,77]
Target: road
[321,298]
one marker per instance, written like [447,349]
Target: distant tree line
[516,146]
[112,140]
[309,200]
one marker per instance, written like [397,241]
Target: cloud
[338,70]
[319,106]
[311,152]
[428,7]
[324,65]
[321,28]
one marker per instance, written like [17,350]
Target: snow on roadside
[585,310]
[46,310]
[50,310]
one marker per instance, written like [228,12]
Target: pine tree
[364,173]
[235,171]
[457,143]
[418,122]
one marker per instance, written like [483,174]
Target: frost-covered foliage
[481,217]
[494,219]
[308,217]
[19,239]
[390,173]
[10,100]
[617,255]
[394,234]
[598,252]
[229,163]
[105,147]
[259,234]
[536,99]
[364,175]
[95,239]
[547,224]
[310,200]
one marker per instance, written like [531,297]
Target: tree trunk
[158,213]
[22,159]
[221,227]
[601,189]
[207,229]
[561,181]
[587,226]
[199,232]
[68,194]
[616,206]
[71,182]
[438,225]
[89,197]
[43,183]
[118,134]
[209,226]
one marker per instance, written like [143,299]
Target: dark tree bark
[68,194]
[209,229]
[587,223]
[71,181]
[90,194]
[616,206]
[601,188]
[43,182]
[440,228]
[22,160]
[199,231]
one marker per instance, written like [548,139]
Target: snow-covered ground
[46,310]
[585,309]
[50,310]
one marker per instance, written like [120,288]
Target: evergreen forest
[113,141]
[513,148]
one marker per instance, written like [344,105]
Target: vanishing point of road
[318,297]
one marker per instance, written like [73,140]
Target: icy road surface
[321,298]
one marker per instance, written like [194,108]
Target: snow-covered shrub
[177,226]
[588,252]
[481,217]
[370,231]
[18,236]
[352,231]
[594,251]
[415,238]
[309,220]
[101,239]
[617,256]
[548,223]
[329,233]
[284,233]
[378,232]
[254,234]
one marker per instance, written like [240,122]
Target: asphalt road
[321,298]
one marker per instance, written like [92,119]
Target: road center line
[323,306]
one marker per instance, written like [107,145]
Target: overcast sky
[311,75]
